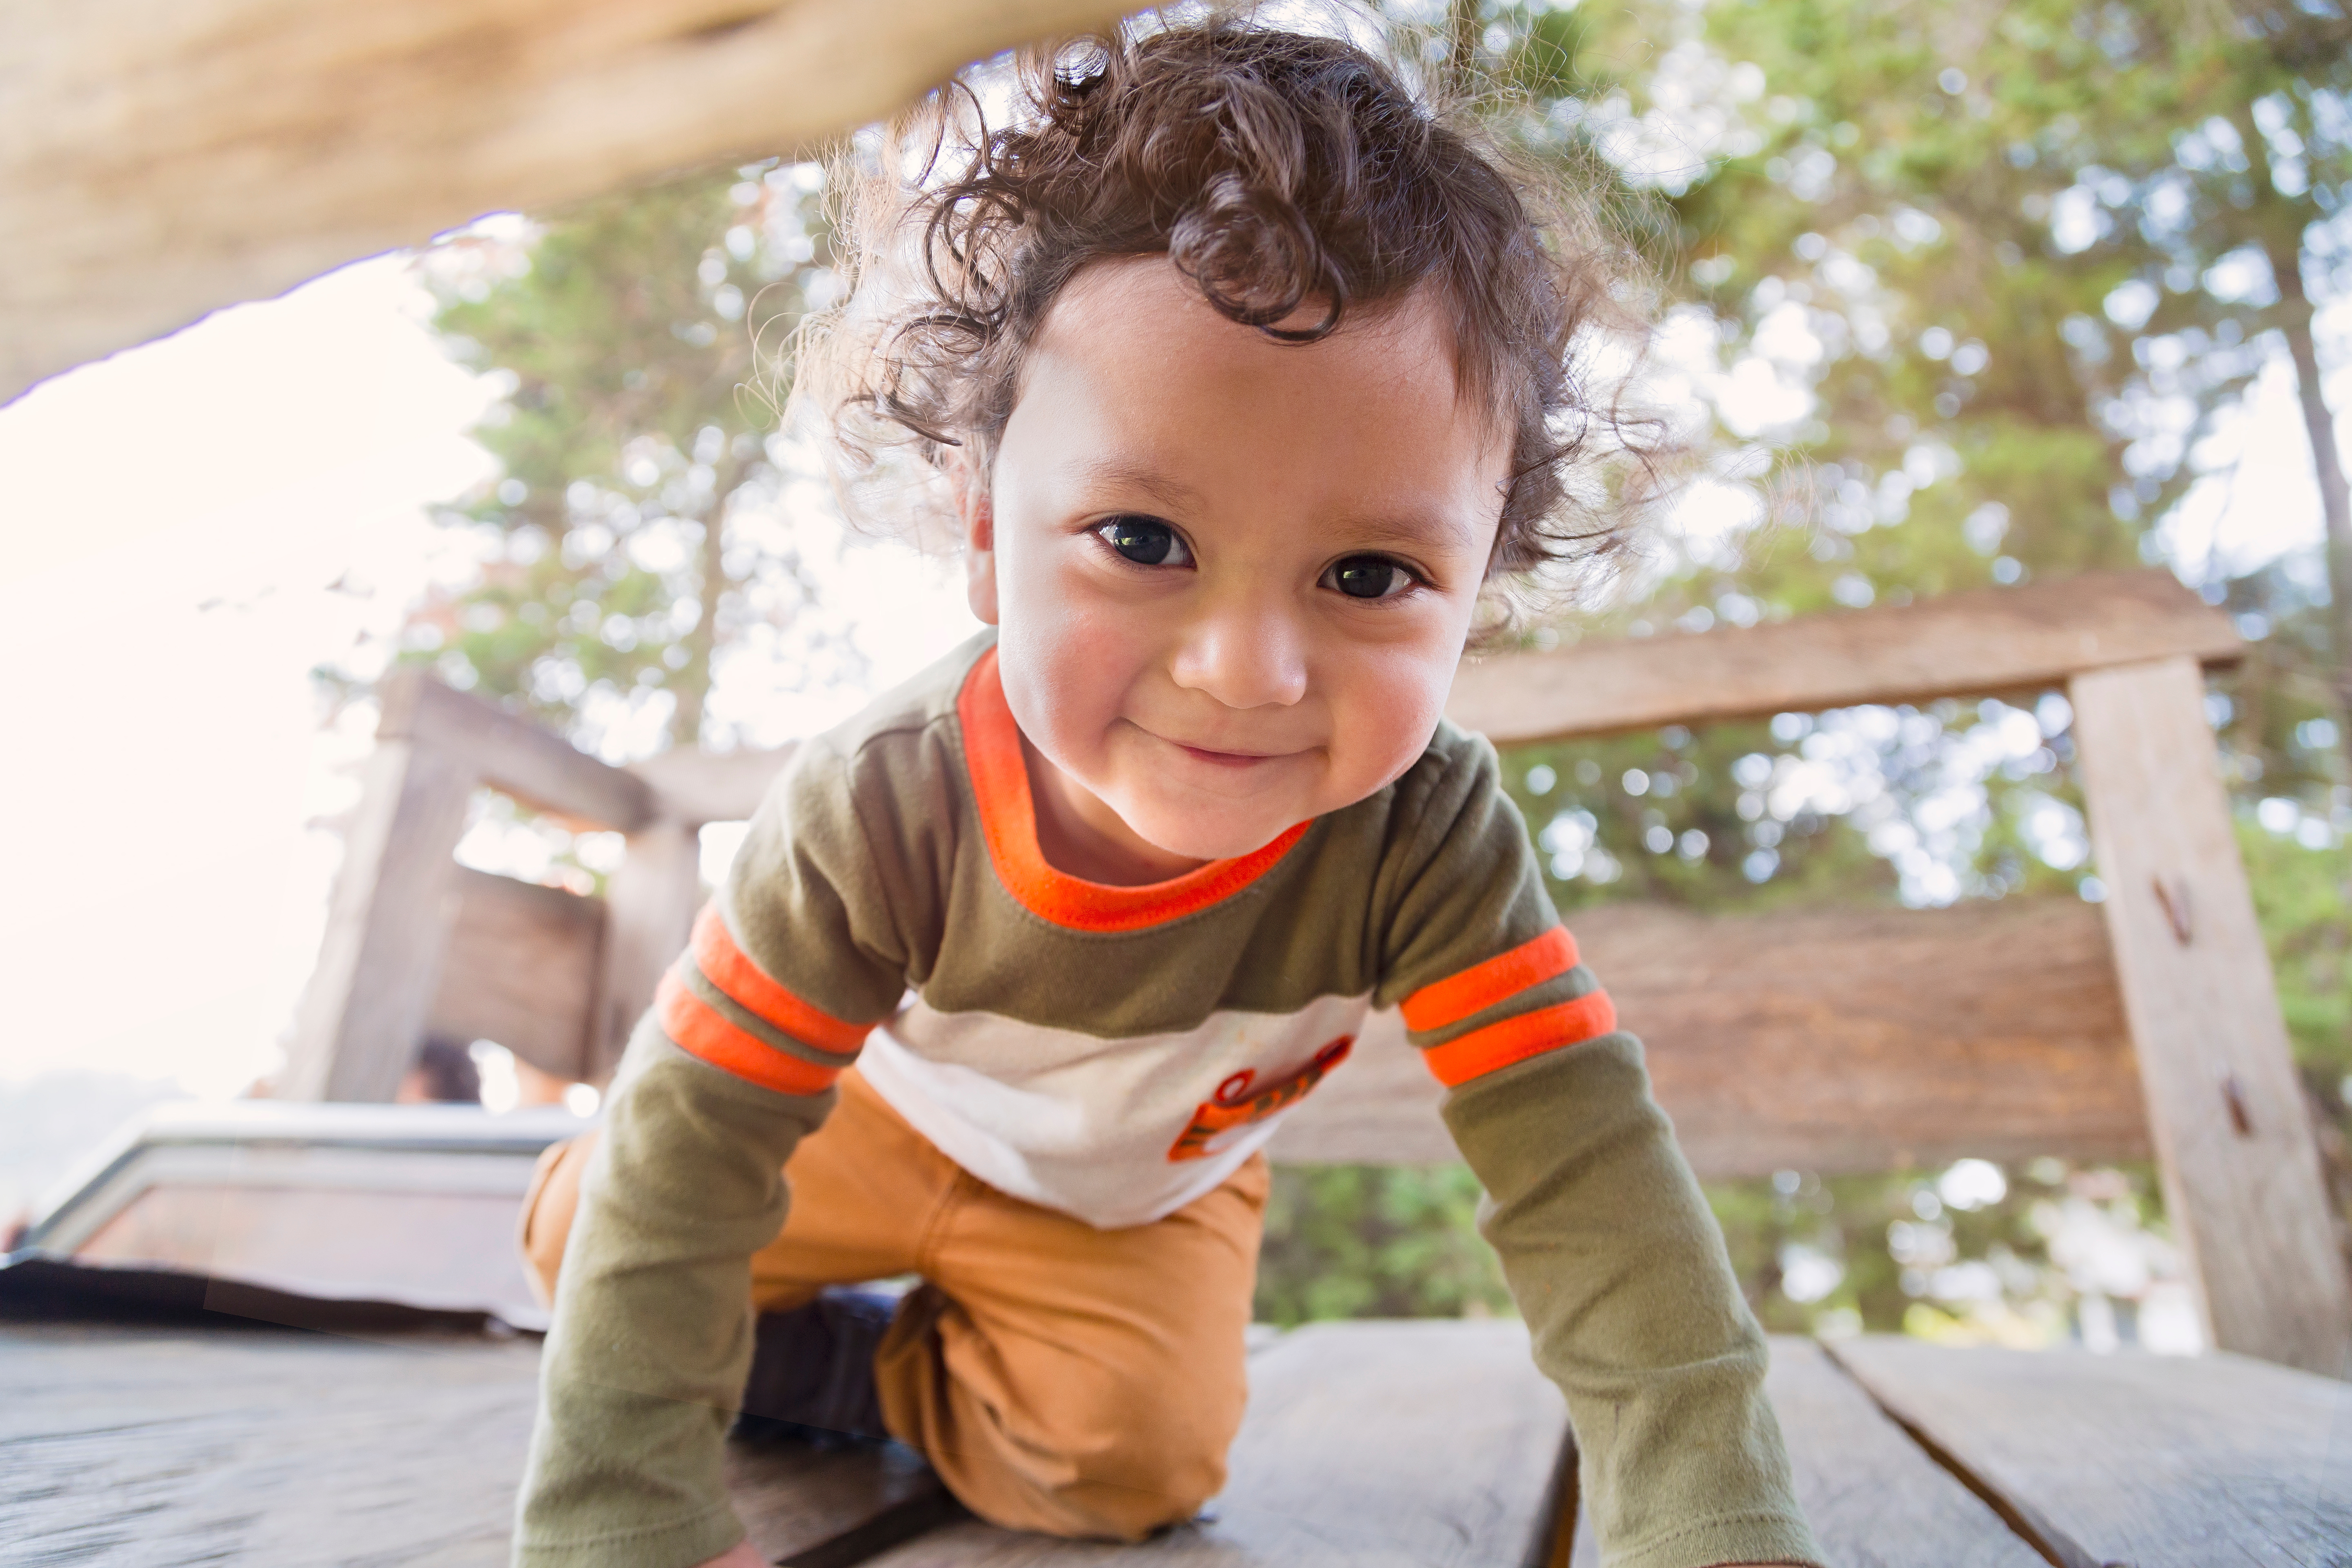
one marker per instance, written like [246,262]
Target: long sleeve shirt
[1114,1053]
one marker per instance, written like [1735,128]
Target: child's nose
[1245,653]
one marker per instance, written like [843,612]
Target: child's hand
[739,1556]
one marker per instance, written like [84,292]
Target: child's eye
[1368,577]
[1145,541]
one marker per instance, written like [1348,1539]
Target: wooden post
[649,911]
[364,1010]
[2241,1175]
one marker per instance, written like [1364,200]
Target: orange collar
[1008,821]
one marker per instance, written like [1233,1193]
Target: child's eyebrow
[1437,529]
[1169,492]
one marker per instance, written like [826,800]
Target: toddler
[1247,374]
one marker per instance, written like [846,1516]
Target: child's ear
[978,517]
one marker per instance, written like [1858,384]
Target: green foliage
[632,444]
[1907,805]
[1365,1241]
[1893,1244]
[2302,897]
[2045,234]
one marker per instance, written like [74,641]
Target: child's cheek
[1387,705]
[1075,663]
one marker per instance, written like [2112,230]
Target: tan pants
[1060,1378]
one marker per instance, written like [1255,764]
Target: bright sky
[192,527]
[195,524]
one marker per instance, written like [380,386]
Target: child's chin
[1181,832]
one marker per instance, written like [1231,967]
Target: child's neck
[1081,837]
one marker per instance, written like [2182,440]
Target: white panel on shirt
[1084,1124]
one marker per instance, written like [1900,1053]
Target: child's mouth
[1227,759]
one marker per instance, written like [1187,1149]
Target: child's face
[1233,576]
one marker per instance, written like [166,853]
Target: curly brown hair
[1283,172]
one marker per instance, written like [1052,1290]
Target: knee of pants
[1157,1443]
[549,1206]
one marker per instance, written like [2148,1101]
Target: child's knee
[1145,1452]
[549,1204]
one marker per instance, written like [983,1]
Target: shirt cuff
[680,1543]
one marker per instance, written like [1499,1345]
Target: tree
[630,534]
[2054,240]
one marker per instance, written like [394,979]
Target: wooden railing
[417,943]
[1830,1040]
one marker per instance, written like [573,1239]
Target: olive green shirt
[1113,1053]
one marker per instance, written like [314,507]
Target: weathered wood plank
[1875,1500]
[2160,1462]
[362,1012]
[1874,1496]
[1366,1445]
[1971,644]
[1831,1041]
[712,786]
[260,1447]
[281,1449]
[157,163]
[512,754]
[649,906]
[2241,1175]
[521,970]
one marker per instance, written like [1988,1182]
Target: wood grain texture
[711,786]
[362,1012]
[1874,1496]
[649,905]
[2241,1175]
[265,1448]
[1971,643]
[521,970]
[281,1450]
[159,161]
[514,755]
[1366,1445]
[2158,1462]
[1829,1041]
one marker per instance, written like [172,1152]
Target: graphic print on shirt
[1083,1123]
[1240,1101]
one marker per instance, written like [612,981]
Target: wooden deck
[1366,1444]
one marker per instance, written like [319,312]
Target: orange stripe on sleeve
[700,1031]
[727,966]
[1483,1051]
[1455,997]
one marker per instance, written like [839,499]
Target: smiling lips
[1234,760]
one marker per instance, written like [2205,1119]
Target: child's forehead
[1147,298]
[1134,332]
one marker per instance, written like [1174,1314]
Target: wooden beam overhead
[1836,1041]
[1980,643]
[159,162]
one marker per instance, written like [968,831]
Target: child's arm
[644,1363]
[1607,1242]
[1617,1266]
